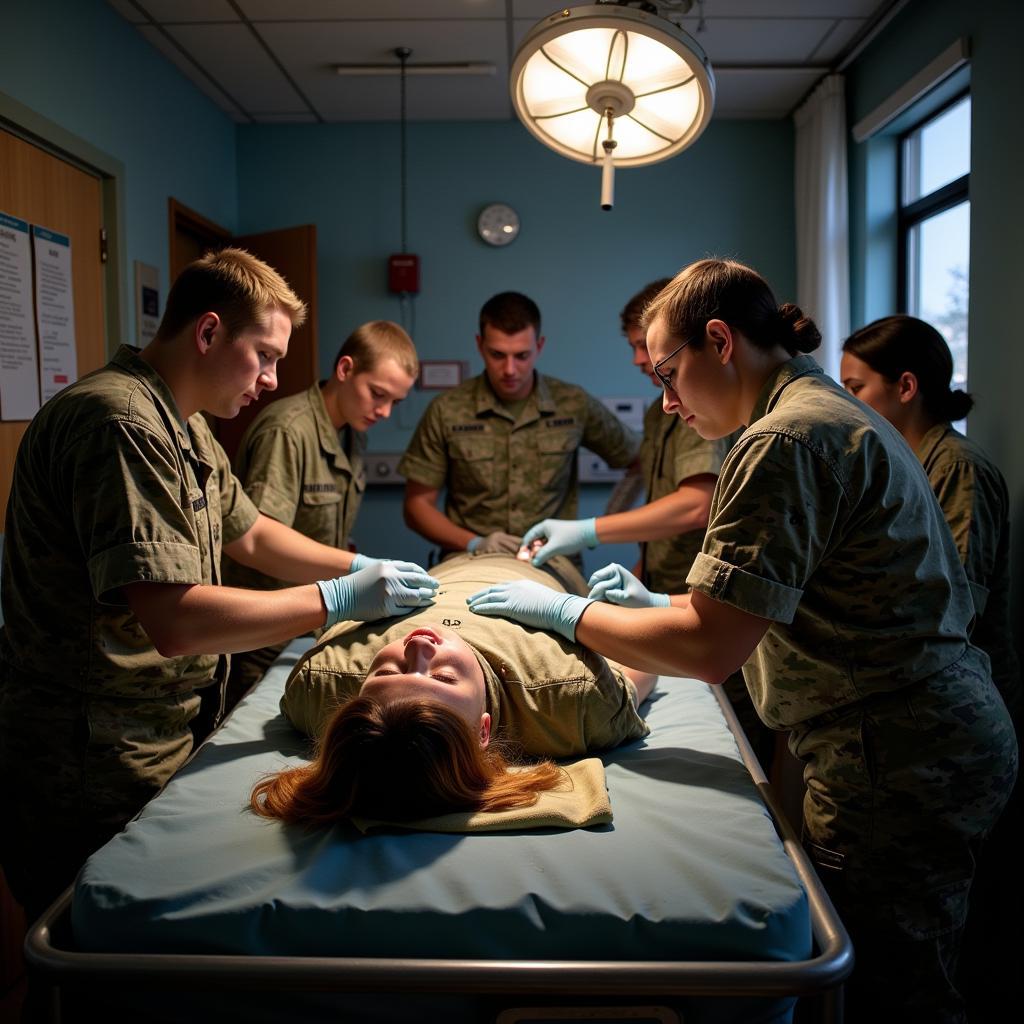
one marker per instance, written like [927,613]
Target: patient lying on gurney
[426,714]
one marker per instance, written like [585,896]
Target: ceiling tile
[838,42]
[791,8]
[758,40]
[191,72]
[310,59]
[767,93]
[361,10]
[240,64]
[299,117]
[174,11]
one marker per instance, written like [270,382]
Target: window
[934,222]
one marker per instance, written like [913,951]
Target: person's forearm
[668,641]
[203,619]
[429,521]
[279,551]
[680,512]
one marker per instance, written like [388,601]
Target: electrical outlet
[382,468]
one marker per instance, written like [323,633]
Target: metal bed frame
[56,967]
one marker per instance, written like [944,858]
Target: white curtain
[822,218]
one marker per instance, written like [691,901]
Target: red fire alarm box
[404,273]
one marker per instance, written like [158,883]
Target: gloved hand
[498,541]
[377,592]
[619,586]
[532,604]
[362,561]
[563,536]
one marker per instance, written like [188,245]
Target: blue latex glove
[619,586]
[532,604]
[378,592]
[362,561]
[563,536]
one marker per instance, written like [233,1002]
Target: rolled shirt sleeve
[772,520]
[426,458]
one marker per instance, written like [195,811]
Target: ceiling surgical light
[612,84]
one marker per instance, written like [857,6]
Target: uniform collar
[129,359]
[539,402]
[328,435]
[931,440]
[789,371]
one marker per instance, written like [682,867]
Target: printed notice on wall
[55,312]
[19,371]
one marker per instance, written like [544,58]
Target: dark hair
[726,290]
[633,311]
[399,761]
[235,285]
[510,312]
[899,344]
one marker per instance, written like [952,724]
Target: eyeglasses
[666,380]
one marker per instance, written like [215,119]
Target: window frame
[910,215]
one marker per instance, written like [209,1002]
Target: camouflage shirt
[671,453]
[973,496]
[110,488]
[300,470]
[506,473]
[548,696]
[823,522]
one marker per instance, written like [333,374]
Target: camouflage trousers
[76,767]
[901,791]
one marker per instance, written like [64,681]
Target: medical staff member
[121,504]
[301,459]
[902,368]
[828,565]
[679,470]
[504,444]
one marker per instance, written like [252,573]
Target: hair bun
[800,333]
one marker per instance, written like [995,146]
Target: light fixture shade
[577,64]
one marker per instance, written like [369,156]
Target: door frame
[49,136]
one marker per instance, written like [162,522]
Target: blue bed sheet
[690,868]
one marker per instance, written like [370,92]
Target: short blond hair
[235,285]
[372,342]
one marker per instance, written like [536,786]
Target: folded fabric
[579,801]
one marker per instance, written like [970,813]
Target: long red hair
[399,761]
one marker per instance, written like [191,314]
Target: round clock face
[498,224]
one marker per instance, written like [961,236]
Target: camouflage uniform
[110,488]
[823,523]
[548,696]
[671,452]
[302,471]
[973,497]
[507,473]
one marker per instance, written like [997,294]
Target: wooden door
[43,189]
[291,252]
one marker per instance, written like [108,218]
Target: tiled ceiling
[274,60]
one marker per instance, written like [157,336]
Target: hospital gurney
[690,900]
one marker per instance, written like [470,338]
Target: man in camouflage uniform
[828,571]
[504,444]
[121,504]
[301,459]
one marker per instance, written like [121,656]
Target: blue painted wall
[730,194]
[79,64]
[996,362]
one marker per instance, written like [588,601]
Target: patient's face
[434,663]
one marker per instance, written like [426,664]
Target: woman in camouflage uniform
[902,368]
[829,573]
